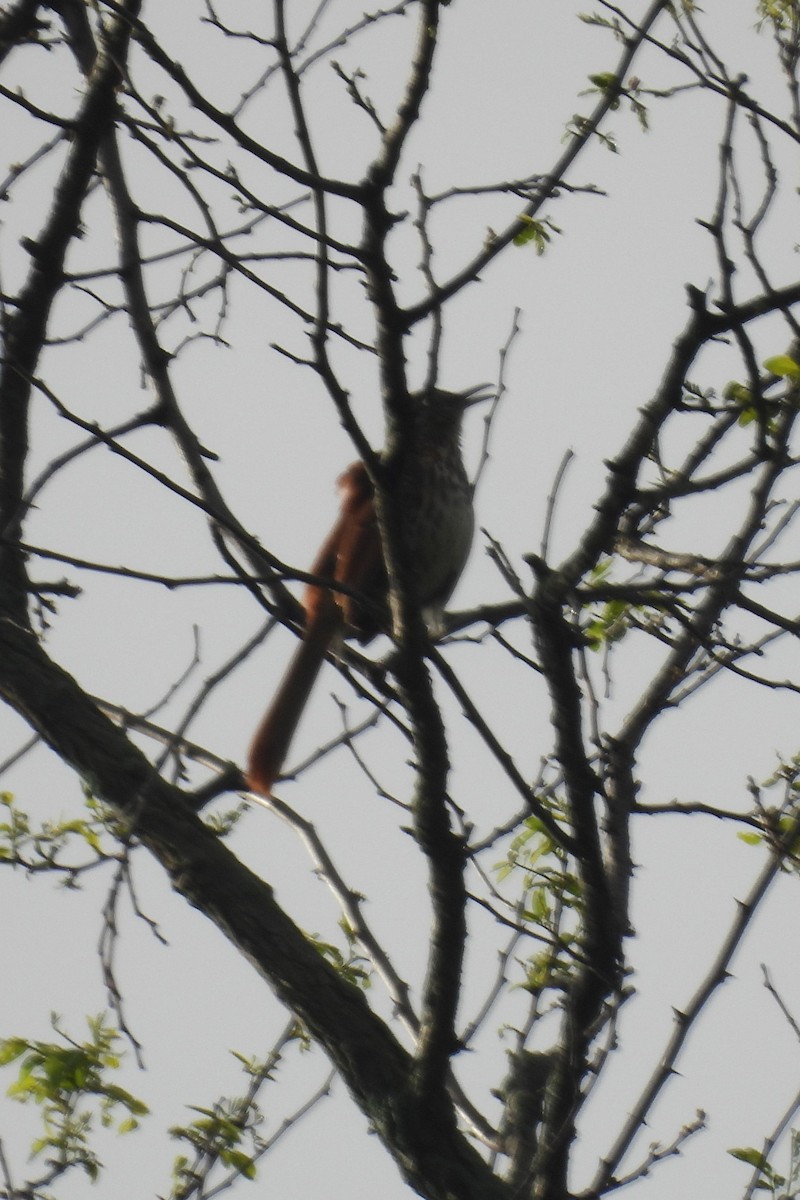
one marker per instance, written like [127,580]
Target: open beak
[478,394]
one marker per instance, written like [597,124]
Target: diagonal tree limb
[425,1141]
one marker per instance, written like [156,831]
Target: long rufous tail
[351,555]
[272,740]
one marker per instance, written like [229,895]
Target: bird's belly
[441,552]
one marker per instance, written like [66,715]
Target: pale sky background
[600,311]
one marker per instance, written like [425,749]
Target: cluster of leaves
[780,1187]
[352,966]
[780,823]
[223,823]
[535,233]
[783,15]
[65,1077]
[609,620]
[68,1080]
[46,847]
[780,366]
[607,624]
[217,1135]
[42,849]
[229,1133]
[549,895]
[608,84]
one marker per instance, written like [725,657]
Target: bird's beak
[478,394]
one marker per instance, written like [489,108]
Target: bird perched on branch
[434,497]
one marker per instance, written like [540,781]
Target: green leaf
[738,393]
[783,366]
[23,1087]
[240,1161]
[532,231]
[600,570]
[11,1048]
[594,19]
[605,80]
[752,1156]
[119,1095]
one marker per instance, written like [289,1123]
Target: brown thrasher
[435,496]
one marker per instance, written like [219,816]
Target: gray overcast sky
[599,311]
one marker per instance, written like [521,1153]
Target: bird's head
[442,411]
